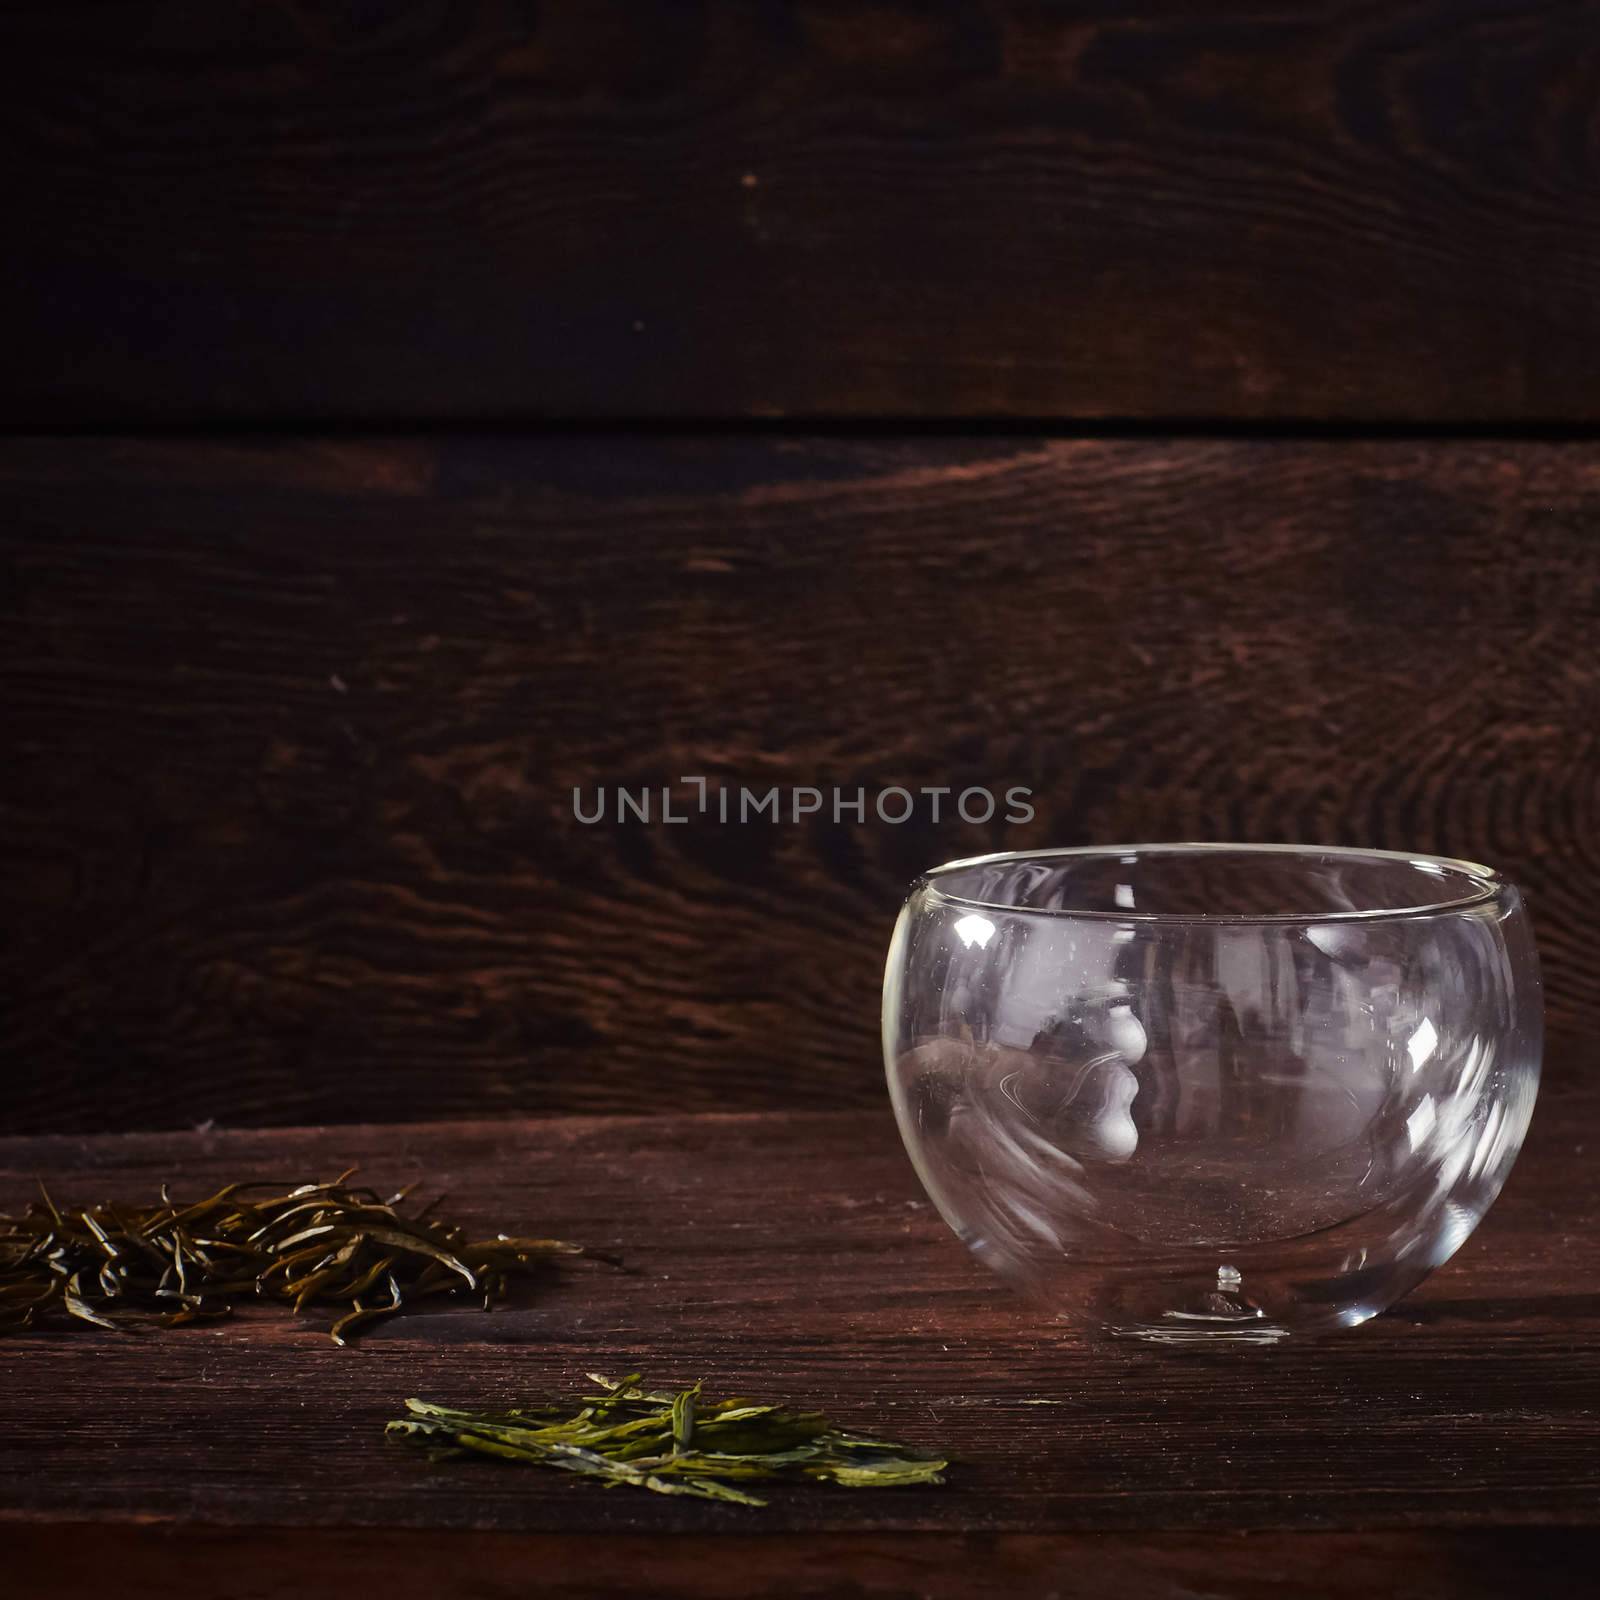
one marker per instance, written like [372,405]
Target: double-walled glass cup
[1213,1093]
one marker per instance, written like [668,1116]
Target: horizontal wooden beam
[71,1562]
[293,730]
[1324,210]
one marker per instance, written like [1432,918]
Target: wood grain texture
[793,1255]
[293,728]
[153,1562]
[1309,208]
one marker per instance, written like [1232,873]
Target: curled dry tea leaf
[670,1442]
[127,1267]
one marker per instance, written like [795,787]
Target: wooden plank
[1324,209]
[792,1255]
[150,1563]
[293,729]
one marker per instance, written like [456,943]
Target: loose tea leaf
[127,1268]
[670,1442]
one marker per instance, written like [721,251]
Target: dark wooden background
[294,728]
[1181,411]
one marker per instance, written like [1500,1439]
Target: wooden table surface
[1451,1442]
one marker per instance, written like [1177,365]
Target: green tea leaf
[683,1419]
[879,1475]
[671,1442]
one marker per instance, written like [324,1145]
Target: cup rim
[1488,885]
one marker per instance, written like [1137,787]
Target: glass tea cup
[1201,1094]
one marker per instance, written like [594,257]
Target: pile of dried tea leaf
[319,1244]
[672,1442]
